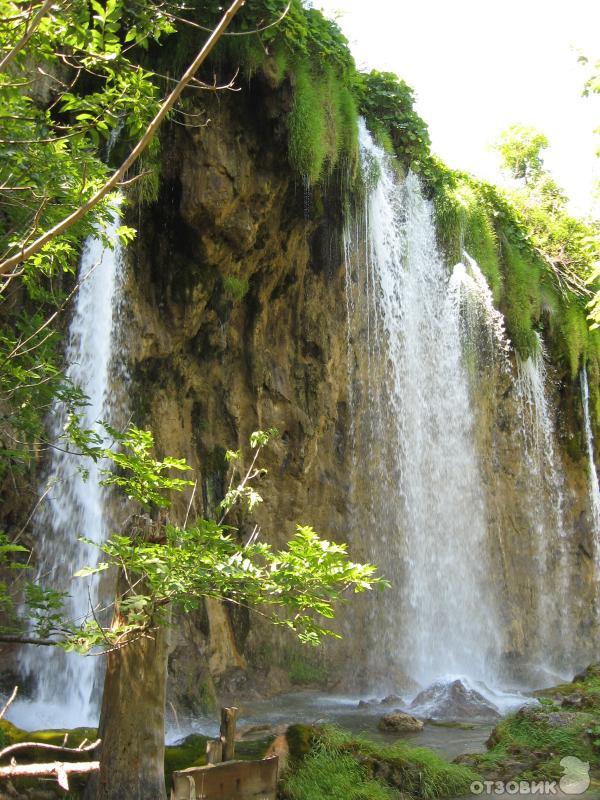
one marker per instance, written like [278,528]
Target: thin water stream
[66,685]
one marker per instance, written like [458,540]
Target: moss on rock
[530,744]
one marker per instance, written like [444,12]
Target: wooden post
[228,720]
[214,751]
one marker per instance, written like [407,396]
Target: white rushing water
[484,336]
[74,507]
[592,471]
[545,512]
[415,440]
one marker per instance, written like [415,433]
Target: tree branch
[9,701]
[112,183]
[9,638]
[54,748]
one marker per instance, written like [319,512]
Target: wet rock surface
[399,722]
[454,701]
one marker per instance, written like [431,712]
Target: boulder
[391,700]
[454,701]
[399,722]
[366,703]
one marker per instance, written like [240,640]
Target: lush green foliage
[341,765]
[538,260]
[205,559]
[386,102]
[65,96]
[520,148]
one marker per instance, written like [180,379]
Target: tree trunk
[132,718]
[132,722]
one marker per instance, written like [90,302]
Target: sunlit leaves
[140,476]
[303,581]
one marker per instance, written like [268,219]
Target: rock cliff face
[238,322]
[237,303]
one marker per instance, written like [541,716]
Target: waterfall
[419,487]
[72,507]
[483,328]
[593,473]
[545,510]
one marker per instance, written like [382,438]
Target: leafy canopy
[295,587]
[520,148]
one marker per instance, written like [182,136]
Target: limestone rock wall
[209,367]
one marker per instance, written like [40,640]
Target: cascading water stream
[537,443]
[419,478]
[594,488]
[73,507]
[483,328]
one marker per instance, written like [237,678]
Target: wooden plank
[214,751]
[231,780]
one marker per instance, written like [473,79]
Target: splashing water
[66,683]
[482,325]
[593,473]
[419,481]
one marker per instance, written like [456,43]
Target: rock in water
[398,721]
[454,701]
[391,700]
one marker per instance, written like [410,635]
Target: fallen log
[59,770]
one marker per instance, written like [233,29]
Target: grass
[529,745]
[327,773]
[235,288]
[342,765]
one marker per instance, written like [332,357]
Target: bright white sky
[478,66]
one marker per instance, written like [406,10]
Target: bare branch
[9,701]
[9,638]
[30,250]
[54,748]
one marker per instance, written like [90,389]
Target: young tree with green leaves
[165,568]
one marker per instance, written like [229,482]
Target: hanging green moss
[464,222]
[481,243]
[450,220]
[575,333]
[522,297]
[593,368]
[322,125]
[306,128]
